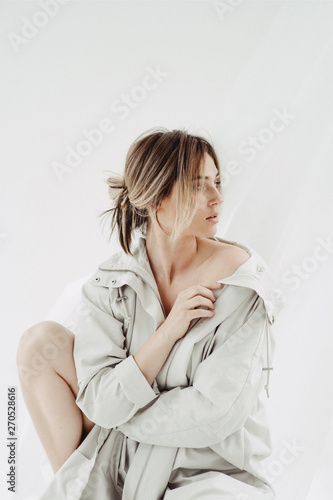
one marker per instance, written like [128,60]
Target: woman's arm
[113,385]
[225,389]
[112,388]
[152,355]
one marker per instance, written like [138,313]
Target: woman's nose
[217,197]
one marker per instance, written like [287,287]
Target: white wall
[228,69]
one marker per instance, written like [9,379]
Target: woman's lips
[213,220]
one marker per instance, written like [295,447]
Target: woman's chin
[207,233]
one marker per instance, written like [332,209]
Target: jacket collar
[254,273]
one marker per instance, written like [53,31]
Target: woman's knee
[41,345]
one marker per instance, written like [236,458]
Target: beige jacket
[200,430]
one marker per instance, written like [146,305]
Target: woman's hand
[185,309]
[152,354]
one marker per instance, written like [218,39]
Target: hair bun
[116,187]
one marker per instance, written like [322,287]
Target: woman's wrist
[153,353]
[164,332]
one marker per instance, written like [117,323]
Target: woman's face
[209,201]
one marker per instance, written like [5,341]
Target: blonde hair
[154,162]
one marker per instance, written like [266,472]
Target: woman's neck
[168,260]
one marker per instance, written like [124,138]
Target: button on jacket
[200,431]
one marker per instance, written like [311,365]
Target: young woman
[157,395]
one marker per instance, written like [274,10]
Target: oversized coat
[200,431]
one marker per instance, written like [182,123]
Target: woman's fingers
[201,313]
[184,307]
[203,290]
[201,301]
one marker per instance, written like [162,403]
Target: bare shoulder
[235,254]
[225,259]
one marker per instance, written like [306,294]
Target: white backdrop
[255,77]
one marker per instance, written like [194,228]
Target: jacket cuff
[134,384]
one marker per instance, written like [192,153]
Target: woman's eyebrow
[206,176]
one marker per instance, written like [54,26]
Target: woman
[158,394]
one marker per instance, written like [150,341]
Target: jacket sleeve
[111,386]
[225,388]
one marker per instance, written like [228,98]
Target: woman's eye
[202,187]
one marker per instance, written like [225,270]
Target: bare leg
[49,386]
